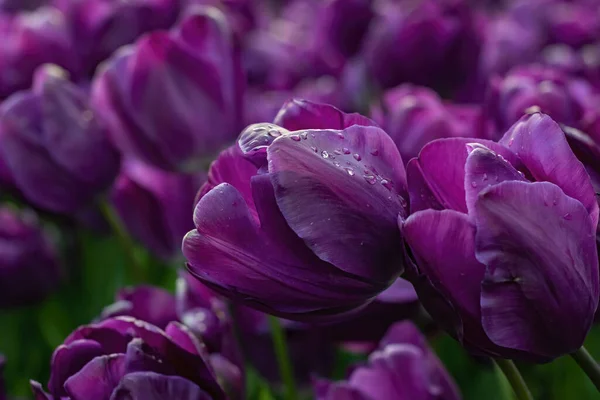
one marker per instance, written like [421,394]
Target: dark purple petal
[185,338]
[485,168]
[150,304]
[39,393]
[68,360]
[541,145]
[439,173]
[97,379]
[338,391]
[297,114]
[357,179]
[152,386]
[542,267]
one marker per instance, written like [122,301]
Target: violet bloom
[99,27]
[504,240]
[414,116]
[202,313]
[126,358]
[30,39]
[403,368]
[174,98]
[56,149]
[430,43]
[302,224]
[535,86]
[155,205]
[29,267]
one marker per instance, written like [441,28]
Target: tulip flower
[155,205]
[54,146]
[124,357]
[429,43]
[414,116]
[29,40]
[29,267]
[301,224]
[100,27]
[503,235]
[174,98]
[403,368]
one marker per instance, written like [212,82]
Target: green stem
[587,363]
[283,358]
[126,242]
[513,376]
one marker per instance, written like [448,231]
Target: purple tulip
[414,116]
[99,27]
[174,98]
[432,43]
[503,235]
[244,16]
[126,358]
[29,267]
[54,146]
[302,224]
[155,205]
[30,40]
[530,86]
[403,368]
[202,313]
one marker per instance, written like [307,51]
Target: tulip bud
[29,267]
[54,146]
[174,98]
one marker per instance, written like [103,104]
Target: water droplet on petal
[375,152]
[387,184]
[314,149]
[295,138]
[324,154]
[341,135]
[371,180]
[304,135]
[568,216]
[337,164]
[274,133]
[511,141]
[357,157]
[403,202]
[346,150]
[312,134]
[473,184]
[350,171]
[337,151]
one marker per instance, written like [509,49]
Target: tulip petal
[298,114]
[443,243]
[153,386]
[357,178]
[542,267]
[442,166]
[541,145]
[485,168]
[150,304]
[69,359]
[97,379]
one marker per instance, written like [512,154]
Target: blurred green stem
[283,358]
[587,363]
[126,242]
[509,369]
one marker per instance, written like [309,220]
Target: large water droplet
[357,157]
[324,154]
[371,180]
[295,138]
[274,133]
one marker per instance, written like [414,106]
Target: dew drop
[485,177]
[568,216]
[295,138]
[350,171]
[473,184]
[312,134]
[371,180]
[375,152]
[314,149]
[259,130]
[403,202]
[357,157]
[337,164]
[324,154]
[511,141]
[341,135]
[346,150]
[387,184]
[337,151]
[304,135]
[274,133]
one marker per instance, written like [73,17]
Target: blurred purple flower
[243,16]
[503,235]
[30,39]
[29,265]
[413,116]
[433,43]
[174,98]
[99,27]
[155,205]
[54,146]
[403,368]
[302,224]
[126,358]
[20,5]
